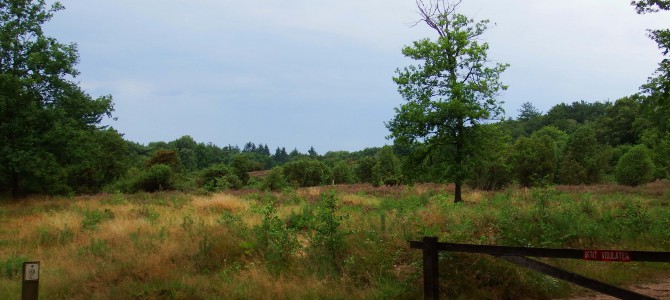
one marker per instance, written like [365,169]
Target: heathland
[329,242]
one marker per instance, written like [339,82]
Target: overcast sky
[301,73]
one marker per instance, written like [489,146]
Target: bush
[327,239]
[635,167]
[94,217]
[387,168]
[277,242]
[275,180]
[306,172]
[219,177]
[534,160]
[363,169]
[10,268]
[156,178]
[165,157]
[343,173]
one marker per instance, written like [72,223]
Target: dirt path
[659,290]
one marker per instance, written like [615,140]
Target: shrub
[156,178]
[327,239]
[165,157]
[363,169]
[387,167]
[492,170]
[11,267]
[343,173]
[306,172]
[584,155]
[94,217]
[534,160]
[276,241]
[635,167]
[275,180]
[219,177]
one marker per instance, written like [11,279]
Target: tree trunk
[16,190]
[460,147]
[457,193]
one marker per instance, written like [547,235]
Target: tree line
[451,128]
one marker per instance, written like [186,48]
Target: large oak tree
[450,93]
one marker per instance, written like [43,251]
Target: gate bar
[650,256]
[574,278]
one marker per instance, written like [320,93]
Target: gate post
[31,280]
[431,282]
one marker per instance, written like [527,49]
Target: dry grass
[154,249]
[220,202]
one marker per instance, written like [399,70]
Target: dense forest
[52,141]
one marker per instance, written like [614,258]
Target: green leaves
[451,91]
[635,167]
[48,125]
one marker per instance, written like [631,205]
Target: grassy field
[337,242]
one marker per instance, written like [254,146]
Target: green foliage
[622,123]
[11,267]
[444,102]
[165,157]
[364,169]
[241,165]
[103,162]
[656,104]
[387,169]
[147,212]
[534,160]
[659,144]
[635,167]
[277,242]
[529,120]
[558,136]
[302,220]
[569,117]
[584,159]
[156,178]
[327,239]
[47,237]
[96,247]
[275,180]
[306,172]
[93,218]
[492,170]
[635,219]
[217,251]
[219,177]
[343,173]
[50,141]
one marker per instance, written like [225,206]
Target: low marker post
[31,280]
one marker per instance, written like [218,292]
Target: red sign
[607,255]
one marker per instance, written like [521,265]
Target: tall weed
[327,239]
[277,242]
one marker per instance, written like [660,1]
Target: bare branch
[433,11]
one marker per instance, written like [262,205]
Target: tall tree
[528,112]
[584,159]
[44,115]
[312,152]
[451,92]
[657,87]
[529,119]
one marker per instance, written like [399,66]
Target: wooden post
[431,282]
[31,280]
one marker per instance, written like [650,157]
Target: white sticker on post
[31,271]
